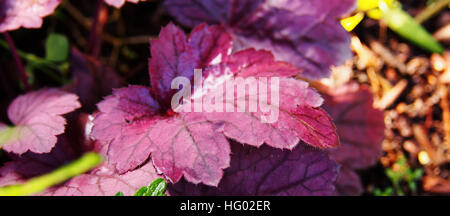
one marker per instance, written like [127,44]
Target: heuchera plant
[144,137]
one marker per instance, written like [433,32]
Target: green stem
[40,183]
[37,62]
[431,10]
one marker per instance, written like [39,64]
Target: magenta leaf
[24,13]
[359,125]
[37,119]
[136,124]
[299,118]
[174,54]
[268,171]
[360,129]
[296,31]
[179,143]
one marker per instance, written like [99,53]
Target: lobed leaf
[135,122]
[361,129]
[360,126]
[174,54]
[37,119]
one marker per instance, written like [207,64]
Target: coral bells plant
[228,109]
[139,123]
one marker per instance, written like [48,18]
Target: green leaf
[156,188]
[388,192]
[141,192]
[57,48]
[120,193]
[403,24]
[417,174]
[412,185]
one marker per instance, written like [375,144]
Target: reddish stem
[20,68]
[99,20]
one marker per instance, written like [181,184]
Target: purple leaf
[296,31]
[300,118]
[135,131]
[126,114]
[348,183]
[360,126]
[24,13]
[191,12]
[174,54]
[37,119]
[268,171]
[360,129]
[134,125]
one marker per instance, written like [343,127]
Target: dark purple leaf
[304,171]
[305,33]
[359,125]
[360,129]
[348,183]
[194,12]
[91,80]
